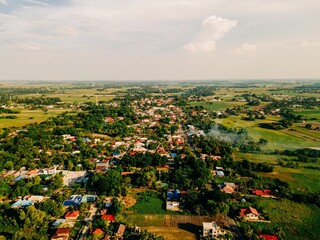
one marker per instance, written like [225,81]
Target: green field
[298,221]
[148,203]
[309,114]
[310,181]
[29,116]
[281,139]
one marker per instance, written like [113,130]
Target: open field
[300,179]
[29,116]
[173,227]
[297,220]
[172,233]
[309,113]
[310,181]
[277,139]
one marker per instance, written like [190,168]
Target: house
[36,199]
[268,237]
[172,205]
[227,187]
[72,215]
[97,231]
[173,195]
[58,222]
[249,213]
[263,193]
[61,234]
[102,166]
[212,230]
[50,171]
[74,200]
[120,230]
[108,217]
[32,173]
[21,203]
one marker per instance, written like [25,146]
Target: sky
[159,39]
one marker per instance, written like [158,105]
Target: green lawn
[148,203]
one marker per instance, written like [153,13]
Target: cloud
[244,49]
[306,44]
[211,30]
[4,2]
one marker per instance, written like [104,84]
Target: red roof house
[72,215]
[109,217]
[249,213]
[97,231]
[268,237]
[262,193]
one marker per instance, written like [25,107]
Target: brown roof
[121,229]
[63,231]
[73,214]
[32,172]
[245,211]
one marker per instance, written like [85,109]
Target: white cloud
[211,30]
[4,2]
[307,44]
[244,49]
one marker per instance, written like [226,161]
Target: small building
[249,213]
[97,231]
[211,230]
[227,187]
[108,217]
[263,193]
[102,166]
[50,171]
[72,215]
[120,230]
[36,199]
[21,203]
[172,205]
[61,234]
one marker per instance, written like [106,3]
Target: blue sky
[159,39]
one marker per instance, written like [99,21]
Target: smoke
[229,135]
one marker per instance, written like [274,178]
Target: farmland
[297,220]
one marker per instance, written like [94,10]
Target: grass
[309,113]
[29,116]
[148,203]
[281,140]
[310,181]
[297,220]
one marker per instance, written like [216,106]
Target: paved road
[88,220]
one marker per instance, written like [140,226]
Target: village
[161,137]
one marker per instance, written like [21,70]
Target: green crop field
[310,181]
